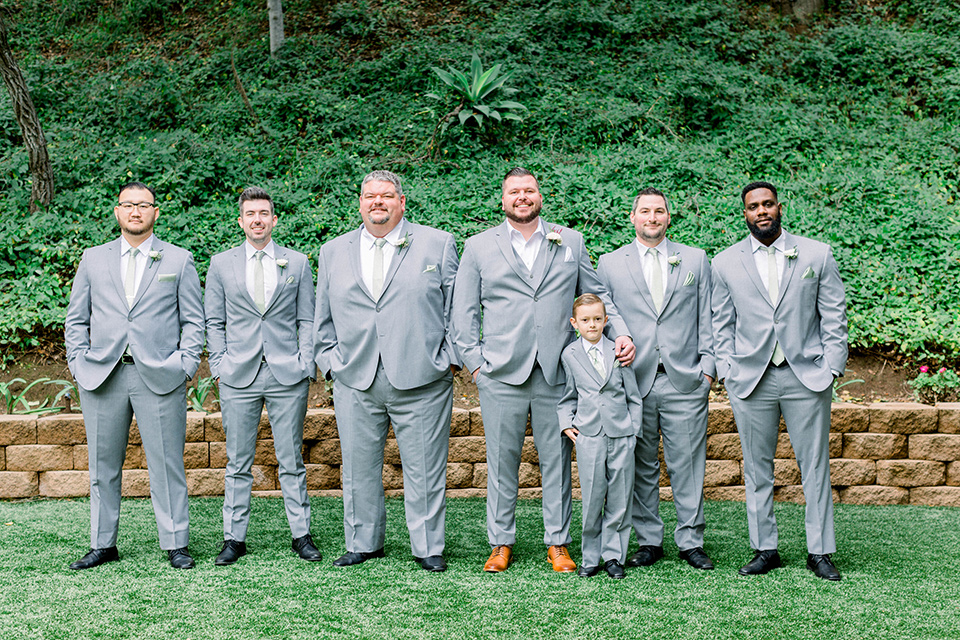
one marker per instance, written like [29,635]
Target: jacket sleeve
[466,311]
[724,322]
[708,361]
[448,272]
[216,320]
[191,317]
[832,307]
[306,308]
[567,407]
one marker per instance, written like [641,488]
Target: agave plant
[482,94]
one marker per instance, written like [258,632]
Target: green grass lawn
[900,565]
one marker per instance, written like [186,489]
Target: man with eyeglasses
[133,332]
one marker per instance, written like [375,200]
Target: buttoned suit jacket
[164,327]
[611,406]
[681,334]
[408,326]
[809,319]
[505,319]
[239,336]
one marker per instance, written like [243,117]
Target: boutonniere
[282,263]
[154,256]
[673,261]
[403,242]
[555,238]
[791,254]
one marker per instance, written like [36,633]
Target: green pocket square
[290,280]
[690,279]
[808,274]
[167,277]
[430,268]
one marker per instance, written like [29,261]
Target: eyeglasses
[142,207]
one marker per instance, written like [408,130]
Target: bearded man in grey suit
[662,290]
[512,303]
[133,332]
[382,326]
[779,314]
[259,307]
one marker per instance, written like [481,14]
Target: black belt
[126,359]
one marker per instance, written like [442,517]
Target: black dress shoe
[645,556]
[822,567]
[696,558]
[95,558]
[432,563]
[614,569]
[351,558]
[762,562]
[588,572]
[306,549]
[231,552]
[180,558]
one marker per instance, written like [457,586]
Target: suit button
[378,309]
[536,298]
[658,321]
[776,321]
[657,347]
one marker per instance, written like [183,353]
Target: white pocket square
[167,277]
[430,267]
[568,255]
[690,279]
[808,274]
[290,280]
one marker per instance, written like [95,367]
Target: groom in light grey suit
[662,290]
[779,313]
[259,307]
[512,303]
[133,332]
[383,335]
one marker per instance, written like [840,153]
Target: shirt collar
[145,247]
[780,244]
[516,234]
[392,238]
[587,345]
[661,246]
[270,250]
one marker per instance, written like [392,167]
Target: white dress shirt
[527,249]
[587,345]
[367,248]
[269,261]
[760,259]
[142,258]
[646,263]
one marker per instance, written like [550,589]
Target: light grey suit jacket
[682,333]
[809,319]
[408,327]
[164,328]
[239,336]
[505,319]
[611,406]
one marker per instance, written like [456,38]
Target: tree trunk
[275,11]
[41,172]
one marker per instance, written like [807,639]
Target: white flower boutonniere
[555,238]
[673,261]
[154,256]
[282,263]
[403,242]
[791,254]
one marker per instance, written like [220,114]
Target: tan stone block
[529,475]
[207,482]
[80,460]
[936,496]
[480,475]
[724,446]
[196,455]
[466,493]
[530,493]
[794,493]
[476,422]
[910,473]
[19,484]
[392,476]
[735,493]
[784,448]
[664,480]
[134,437]
[846,417]
[322,476]
[218,455]
[785,472]
[136,483]
[845,472]
[720,419]
[320,424]
[468,449]
[61,429]
[264,432]
[666,494]
[953,474]
[39,457]
[326,452]
[459,423]
[16,429]
[135,457]
[195,429]
[64,484]
[873,494]
[902,417]
[934,446]
[835,444]
[574,475]
[949,417]
[528,453]
[264,478]
[459,475]
[3,458]
[721,473]
[264,453]
[213,428]
[874,446]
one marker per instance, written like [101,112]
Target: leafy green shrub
[931,388]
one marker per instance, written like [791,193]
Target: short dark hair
[254,193]
[753,186]
[138,185]
[650,191]
[519,172]
[588,298]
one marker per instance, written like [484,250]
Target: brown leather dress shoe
[499,559]
[560,559]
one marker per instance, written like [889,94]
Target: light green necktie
[773,287]
[378,267]
[259,297]
[597,359]
[130,283]
[657,278]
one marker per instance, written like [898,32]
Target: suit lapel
[354,259]
[506,248]
[238,265]
[634,264]
[581,356]
[279,254]
[673,274]
[750,267]
[789,266]
[150,272]
[399,253]
[545,257]
[114,266]
[609,358]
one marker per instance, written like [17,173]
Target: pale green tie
[378,267]
[773,287]
[130,282]
[657,278]
[597,360]
[259,297]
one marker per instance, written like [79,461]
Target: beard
[534,212]
[765,234]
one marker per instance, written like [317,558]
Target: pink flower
[924,369]
[942,369]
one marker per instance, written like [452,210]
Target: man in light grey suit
[133,332]
[259,306]
[383,335]
[662,290]
[779,315]
[512,303]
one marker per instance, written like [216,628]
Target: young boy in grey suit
[601,411]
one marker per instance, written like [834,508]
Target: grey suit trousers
[162,421]
[421,423]
[681,418]
[605,467]
[505,408]
[807,416]
[286,407]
